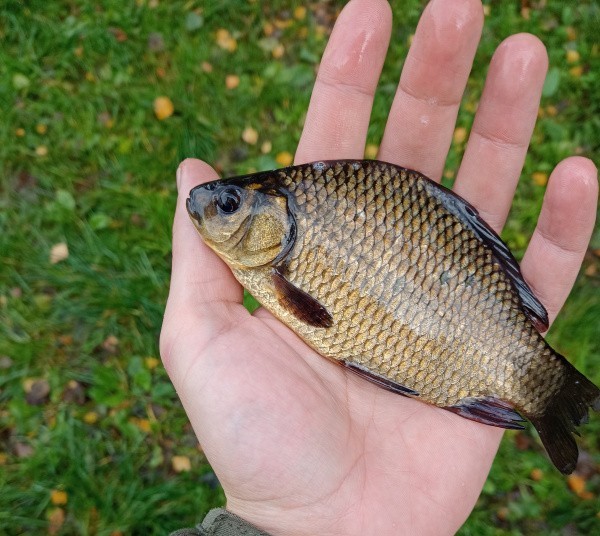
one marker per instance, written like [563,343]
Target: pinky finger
[555,252]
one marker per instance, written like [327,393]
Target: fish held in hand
[397,278]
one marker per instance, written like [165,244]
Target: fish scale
[386,272]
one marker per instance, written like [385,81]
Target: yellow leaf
[3,458]
[250,136]
[449,174]
[151,362]
[207,67]
[551,110]
[58,497]
[460,135]
[268,29]
[40,128]
[409,39]
[571,33]
[540,178]
[59,252]
[181,464]
[572,56]
[371,150]
[487,9]
[41,150]
[225,40]
[526,13]
[536,474]
[163,107]
[142,424]
[576,484]
[91,417]
[300,13]
[284,158]
[278,51]
[20,132]
[232,81]
[56,519]
[576,72]
[266,147]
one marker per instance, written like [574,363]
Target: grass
[85,162]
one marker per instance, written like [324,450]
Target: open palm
[299,445]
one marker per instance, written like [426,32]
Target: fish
[400,280]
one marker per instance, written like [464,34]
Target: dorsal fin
[469,216]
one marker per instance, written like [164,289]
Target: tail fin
[566,410]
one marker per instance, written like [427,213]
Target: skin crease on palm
[299,445]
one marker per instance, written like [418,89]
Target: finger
[503,125]
[198,275]
[421,121]
[340,107]
[202,287]
[555,252]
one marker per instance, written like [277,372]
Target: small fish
[401,281]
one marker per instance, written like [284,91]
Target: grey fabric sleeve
[220,522]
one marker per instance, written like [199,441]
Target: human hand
[299,445]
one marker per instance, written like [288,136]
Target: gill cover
[246,222]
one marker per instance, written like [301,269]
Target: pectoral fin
[381,381]
[488,410]
[302,305]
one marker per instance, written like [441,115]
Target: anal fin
[489,410]
[379,380]
[302,305]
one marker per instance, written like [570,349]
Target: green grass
[85,71]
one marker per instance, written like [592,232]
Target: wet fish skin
[383,270]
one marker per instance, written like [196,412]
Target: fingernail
[178,175]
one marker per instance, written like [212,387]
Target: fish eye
[229,200]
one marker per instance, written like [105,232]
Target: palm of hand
[300,445]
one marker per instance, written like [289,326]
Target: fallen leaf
[225,40]
[576,484]
[278,51]
[371,150]
[3,458]
[37,392]
[142,424]
[74,393]
[487,9]
[502,513]
[540,178]
[551,110]
[91,417]
[56,518]
[78,51]
[181,464]
[151,362]
[156,43]
[571,33]
[41,128]
[536,474]
[232,81]
[59,252]
[266,147]
[160,72]
[20,132]
[41,150]
[23,450]
[282,24]
[110,344]
[284,158]
[193,21]
[20,81]
[576,71]
[460,135]
[250,135]
[300,13]
[5,362]
[119,34]
[591,270]
[572,56]
[526,13]
[522,441]
[268,29]
[58,497]
[163,107]
[207,67]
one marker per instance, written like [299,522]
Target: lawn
[93,439]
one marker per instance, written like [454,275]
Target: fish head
[246,222]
